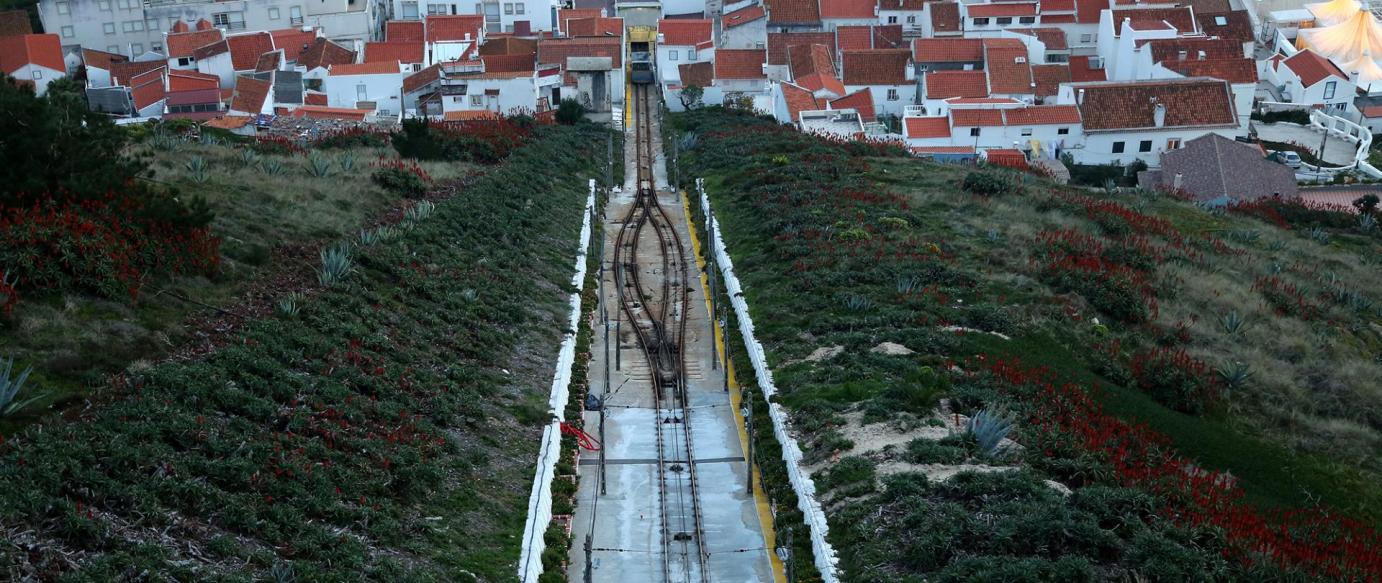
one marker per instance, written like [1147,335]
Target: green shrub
[990,184]
[1175,379]
[400,181]
[570,111]
[928,451]
[847,472]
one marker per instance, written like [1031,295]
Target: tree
[691,96]
[569,112]
[1366,204]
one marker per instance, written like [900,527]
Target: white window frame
[672,55]
[518,8]
[477,100]
[892,19]
[108,27]
[1063,132]
[68,32]
[1003,20]
[1330,87]
[1026,19]
[410,14]
[136,49]
[981,21]
[274,13]
[38,74]
[156,47]
[1026,132]
[508,8]
[64,8]
[1086,38]
[892,94]
[361,92]
[103,5]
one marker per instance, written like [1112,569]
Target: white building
[1128,121]
[1309,79]
[887,74]
[498,16]
[745,27]
[132,27]
[682,42]
[983,124]
[372,86]
[33,58]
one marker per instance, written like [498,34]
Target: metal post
[714,354]
[748,424]
[617,335]
[609,161]
[588,546]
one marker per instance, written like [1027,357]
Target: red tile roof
[268,61]
[293,41]
[1242,70]
[684,33]
[700,74]
[250,94]
[183,80]
[1007,67]
[860,101]
[147,88]
[587,27]
[324,53]
[819,82]
[1048,6]
[901,4]
[779,42]
[1053,38]
[1042,115]
[804,60]
[743,15]
[1087,11]
[1312,68]
[374,68]
[793,12]
[1153,18]
[246,48]
[566,14]
[976,117]
[211,50]
[509,63]
[101,59]
[1237,26]
[422,78]
[15,23]
[1130,105]
[1080,71]
[942,150]
[1048,78]
[854,38]
[948,50]
[121,73]
[926,127]
[1002,9]
[319,112]
[1006,157]
[740,63]
[44,50]
[394,51]
[945,17]
[314,98]
[454,28]
[876,67]
[404,30]
[230,122]
[851,9]
[184,44]
[555,51]
[1172,48]
[946,84]
[798,99]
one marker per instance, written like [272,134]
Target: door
[597,92]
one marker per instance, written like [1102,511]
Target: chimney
[1183,54]
[1177,181]
[1202,55]
[1159,115]
[1079,98]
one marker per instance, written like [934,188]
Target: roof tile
[922,128]
[15,23]
[740,63]
[38,49]
[743,15]
[793,12]
[948,50]
[848,9]
[250,94]
[977,117]
[684,32]
[1007,68]
[945,17]
[1241,70]
[860,101]
[779,42]
[455,28]
[947,84]
[405,30]
[700,74]
[1049,77]
[100,59]
[375,68]
[876,67]
[246,48]
[1312,68]
[394,51]
[293,41]
[184,44]
[1131,105]
[798,99]
[324,53]
[1042,115]
[555,51]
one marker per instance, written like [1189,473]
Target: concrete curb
[825,557]
[540,500]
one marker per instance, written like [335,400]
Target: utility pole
[747,410]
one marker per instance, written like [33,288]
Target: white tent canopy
[1334,11]
[1365,72]
[1346,41]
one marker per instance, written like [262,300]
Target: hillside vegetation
[1001,378]
[379,427]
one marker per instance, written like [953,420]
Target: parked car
[1286,157]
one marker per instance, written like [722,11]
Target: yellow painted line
[736,397]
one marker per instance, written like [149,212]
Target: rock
[892,349]
[1057,486]
[825,353]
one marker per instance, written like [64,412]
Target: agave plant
[196,164]
[10,387]
[347,162]
[689,141]
[248,158]
[291,304]
[470,294]
[1319,235]
[989,429]
[318,166]
[282,573]
[163,141]
[1367,223]
[857,303]
[419,212]
[337,263]
[1276,245]
[209,139]
[1233,322]
[907,284]
[272,167]
[1235,375]
[1110,186]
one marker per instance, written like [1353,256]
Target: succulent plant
[1233,322]
[337,263]
[10,387]
[318,166]
[988,429]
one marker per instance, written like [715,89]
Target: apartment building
[519,16]
[134,27]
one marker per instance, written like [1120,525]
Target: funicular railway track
[658,311]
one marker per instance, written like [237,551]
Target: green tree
[1366,204]
[53,146]
[691,96]
[570,111]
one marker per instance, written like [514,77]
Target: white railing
[1341,128]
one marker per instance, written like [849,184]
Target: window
[137,49]
[410,10]
[672,55]
[38,74]
[1329,89]
[892,20]
[508,8]
[1026,132]
[456,98]
[1057,58]
[912,19]
[690,54]
[974,132]
[1005,20]
[294,16]
[151,24]
[1086,38]
[220,19]
[64,8]
[1173,144]
[1027,20]
[477,100]
[1063,132]
[436,9]
[361,92]
[103,5]
[108,28]
[1118,147]
[981,22]
[518,8]
[1144,146]
[184,61]
[68,32]
[115,49]
[274,14]
[156,47]
[1220,21]
[892,94]
[132,26]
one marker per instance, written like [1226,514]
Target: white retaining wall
[540,500]
[825,558]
